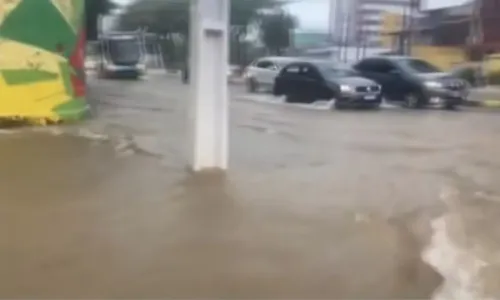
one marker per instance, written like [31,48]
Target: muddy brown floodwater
[317,204]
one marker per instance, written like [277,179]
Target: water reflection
[92,223]
[320,205]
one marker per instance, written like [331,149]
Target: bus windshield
[124,51]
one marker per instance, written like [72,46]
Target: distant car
[261,73]
[308,81]
[414,82]
[231,72]
[91,63]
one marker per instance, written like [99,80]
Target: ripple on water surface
[465,247]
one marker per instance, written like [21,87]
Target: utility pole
[209,107]
[403,49]
[359,32]
[363,32]
[347,27]
[339,28]
[332,20]
[364,42]
[475,40]
[412,26]
[358,43]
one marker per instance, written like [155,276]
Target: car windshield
[335,71]
[419,66]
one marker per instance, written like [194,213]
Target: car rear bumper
[360,100]
[132,73]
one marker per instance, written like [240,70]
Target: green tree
[94,8]
[170,18]
[244,13]
[159,16]
[166,16]
[275,30]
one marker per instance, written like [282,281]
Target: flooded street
[317,204]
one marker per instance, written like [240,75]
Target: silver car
[261,73]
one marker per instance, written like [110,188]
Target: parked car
[231,72]
[261,73]
[308,81]
[414,82]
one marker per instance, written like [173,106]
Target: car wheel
[252,85]
[412,100]
[311,100]
[305,100]
[340,105]
[292,99]
[450,106]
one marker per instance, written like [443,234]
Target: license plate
[370,97]
[456,94]
[435,100]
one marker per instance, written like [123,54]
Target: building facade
[361,21]
[472,26]
[490,23]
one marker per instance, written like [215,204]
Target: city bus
[122,55]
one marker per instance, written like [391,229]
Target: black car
[308,81]
[414,82]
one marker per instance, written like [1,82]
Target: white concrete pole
[208,65]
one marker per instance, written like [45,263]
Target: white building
[362,19]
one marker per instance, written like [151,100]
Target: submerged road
[318,204]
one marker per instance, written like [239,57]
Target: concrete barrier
[42,60]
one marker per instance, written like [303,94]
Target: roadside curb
[491,103]
[485,103]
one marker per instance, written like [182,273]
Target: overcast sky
[313,14]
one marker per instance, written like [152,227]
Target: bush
[494,78]
[468,74]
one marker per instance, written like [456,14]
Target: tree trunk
[239,57]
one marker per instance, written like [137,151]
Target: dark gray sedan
[413,82]
[309,81]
